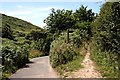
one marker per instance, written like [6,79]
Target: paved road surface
[38,68]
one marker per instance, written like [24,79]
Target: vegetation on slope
[19,40]
[17,24]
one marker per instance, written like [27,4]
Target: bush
[14,57]
[7,32]
[42,45]
[41,41]
[61,53]
[78,37]
[36,35]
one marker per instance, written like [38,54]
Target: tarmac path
[37,68]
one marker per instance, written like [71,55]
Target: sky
[36,12]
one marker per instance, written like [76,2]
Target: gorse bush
[14,57]
[62,54]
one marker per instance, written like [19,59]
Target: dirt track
[88,71]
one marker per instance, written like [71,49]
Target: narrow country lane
[38,68]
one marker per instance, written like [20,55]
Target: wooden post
[67,35]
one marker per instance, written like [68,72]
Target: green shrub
[14,57]
[41,40]
[61,52]
[42,45]
[7,32]
[77,37]
[36,35]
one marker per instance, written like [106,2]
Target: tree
[82,14]
[59,20]
[83,19]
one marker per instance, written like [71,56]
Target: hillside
[21,41]
[17,24]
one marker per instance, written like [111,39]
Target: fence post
[67,35]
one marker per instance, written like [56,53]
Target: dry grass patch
[35,53]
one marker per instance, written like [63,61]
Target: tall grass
[106,62]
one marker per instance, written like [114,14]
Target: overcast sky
[36,12]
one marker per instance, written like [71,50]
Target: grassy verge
[69,67]
[106,64]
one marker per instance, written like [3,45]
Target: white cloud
[19,6]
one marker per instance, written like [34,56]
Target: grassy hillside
[18,28]
[17,24]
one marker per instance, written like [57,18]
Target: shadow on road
[27,65]
[30,62]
